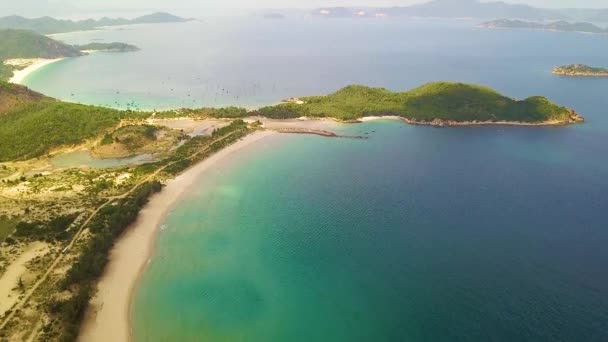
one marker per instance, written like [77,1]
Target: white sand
[33,65]
[374,118]
[108,317]
[9,292]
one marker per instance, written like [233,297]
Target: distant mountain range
[48,25]
[562,26]
[466,9]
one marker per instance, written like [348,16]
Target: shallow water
[84,158]
[416,234]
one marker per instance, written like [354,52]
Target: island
[48,25]
[559,26]
[580,70]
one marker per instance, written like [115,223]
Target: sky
[57,7]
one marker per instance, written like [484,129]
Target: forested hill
[456,102]
[28,44]
[32,124]
[48,25]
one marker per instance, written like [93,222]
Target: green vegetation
[183,156]
[13,96]
[443,101]
[37,126]
[108,47]
[33,129]
[7,226]
[6,71]
[55,229]
[106,226]
[218,113]
[580,70]
[110,222]
[48,25]
[28,44]
[134,136]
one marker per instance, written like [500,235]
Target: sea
[414,234]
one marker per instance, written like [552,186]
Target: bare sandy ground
[9,291]
[32,65]
[108,316]
[190,126]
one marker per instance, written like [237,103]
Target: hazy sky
[66,7]
[312,3]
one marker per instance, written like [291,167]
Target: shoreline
[450,123]
[37,63]
[108,317]
[604,74]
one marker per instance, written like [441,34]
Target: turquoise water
[416,234]
[253,62]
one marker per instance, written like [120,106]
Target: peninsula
[59,224]
[580,70]
[559,26]
[438,104]
[108,47]
[24,51]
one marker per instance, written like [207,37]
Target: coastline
[579,74]
[108,315]
[575,118]
[38,63]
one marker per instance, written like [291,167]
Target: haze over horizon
[107,7]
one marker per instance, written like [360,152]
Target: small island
[560,26]
[108,47]
[580,70]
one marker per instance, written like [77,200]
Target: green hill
[28,44]
[35,124]
[48,25]
[456,102]
[13,96]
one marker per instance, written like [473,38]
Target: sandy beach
[32,65]
[108,316]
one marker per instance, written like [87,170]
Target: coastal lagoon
[414,234]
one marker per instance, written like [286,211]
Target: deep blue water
[417,234]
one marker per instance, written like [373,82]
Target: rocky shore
[573,118]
